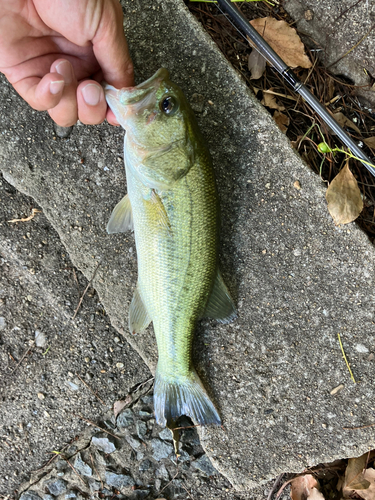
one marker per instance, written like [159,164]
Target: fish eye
[169,105]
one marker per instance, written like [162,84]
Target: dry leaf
[345,122]
[118,406]
[344,197]
[281,120]
[354,476]
[269,100]
[370,142]
[368,493]
[305,487]
[284,41]
[256,64]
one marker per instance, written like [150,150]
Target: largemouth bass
[172,205]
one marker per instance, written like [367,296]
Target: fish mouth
[130,96]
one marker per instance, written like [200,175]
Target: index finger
[111,49]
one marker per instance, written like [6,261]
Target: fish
[172,206]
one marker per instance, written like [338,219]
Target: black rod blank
[272,58]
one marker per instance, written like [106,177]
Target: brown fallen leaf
[344,197]
[256,64]
[284,41]
[118,406]
[281,120]
[34,211]
[368,493]
[345,122]
[354,477]
[370,142]
[269,100]
[305,487]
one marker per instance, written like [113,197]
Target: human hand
[55,53]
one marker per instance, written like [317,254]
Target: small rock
[145,465]
[119,365]
[41,396]
[147,400]
[125,419]
[30,495]
[308,15]
[70,494]
[134,443]
[297,185]
[166,434]
[81,467]
[158,485]
[337,389]
[57,487]
[161,449]
[151,423]
[40,339]
[103,444]
[3,325]
[94,485]
[118,481]
[162,472]
[361,348]
[371,357]
[72,385]
[141,429]
[140,494]
[144,414]
[204,465]
[140,455]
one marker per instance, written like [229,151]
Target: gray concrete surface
[337,26]
[298,280]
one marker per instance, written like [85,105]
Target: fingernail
[64,68]
[56,87]
[91,94]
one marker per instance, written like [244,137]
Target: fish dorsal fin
[162,216]
[138,315]
[121,219]
[220,305]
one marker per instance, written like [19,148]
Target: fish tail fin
[175,396]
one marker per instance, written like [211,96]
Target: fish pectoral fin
[138,315]
[121,219]
[162,216]
[220,305]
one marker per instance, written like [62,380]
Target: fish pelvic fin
[175,396]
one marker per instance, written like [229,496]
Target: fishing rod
[240,21]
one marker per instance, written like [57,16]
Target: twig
[346,361]
[84,293]
[273,489]
[93,424]
[354,47]
[173,478]
[75,472]
[96,472]
[24,356]
[360,427]
[187,492]
[33,212]
[88,387]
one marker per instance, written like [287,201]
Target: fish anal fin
[220,305]
[138,315]
[121,219]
